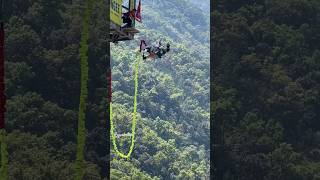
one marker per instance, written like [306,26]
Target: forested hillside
[173,101]
[266,93]
[43,86]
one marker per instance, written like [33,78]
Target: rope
[81,137]
[134,118]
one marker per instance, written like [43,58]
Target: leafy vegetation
[266,89]
[43,89]
[173,101]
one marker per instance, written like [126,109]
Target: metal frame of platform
[121,34]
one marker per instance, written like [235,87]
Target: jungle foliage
[265,90]
[43,88]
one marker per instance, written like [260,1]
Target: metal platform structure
[117,31]
[121,34]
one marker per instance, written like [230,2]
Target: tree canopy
[43,88]
[266,88]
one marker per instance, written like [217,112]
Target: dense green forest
[173,101]
[265,90]
[43,86]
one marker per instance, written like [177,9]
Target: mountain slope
[173,102]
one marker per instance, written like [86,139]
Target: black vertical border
[216,133]
[108,77]
[211,95]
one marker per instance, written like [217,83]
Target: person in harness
[153,51]
[127,18]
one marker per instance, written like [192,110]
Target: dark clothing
[127,19]
[160,52]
